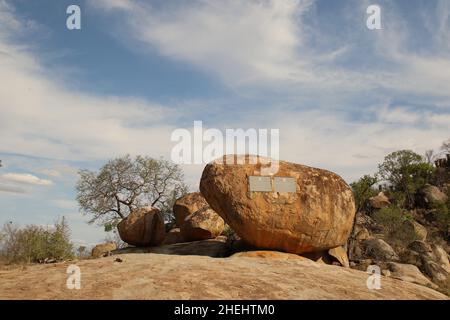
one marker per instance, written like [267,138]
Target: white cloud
[400,115]
[26,178]
[41,117]
[241,41]
[11,189]
[268,42]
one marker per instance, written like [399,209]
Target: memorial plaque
[260,184]
[285,184]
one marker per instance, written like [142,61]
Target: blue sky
[343,96]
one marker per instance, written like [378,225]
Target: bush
[407,172]
[392,219]
[441,215]
[34,244]
[362,191]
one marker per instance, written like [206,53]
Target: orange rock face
[143,227]
[187,205]
[317,216]
[201,225]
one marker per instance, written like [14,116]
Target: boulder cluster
[313,219]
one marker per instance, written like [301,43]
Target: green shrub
[392,219]
[406,172]
[33,243]
[441,215]
[363,190]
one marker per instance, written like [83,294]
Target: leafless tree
[124,184]
[430,156]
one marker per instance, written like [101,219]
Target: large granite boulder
[317,216]
[187,205]
[201,225]
[143,227]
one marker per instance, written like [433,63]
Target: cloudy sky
[343,96]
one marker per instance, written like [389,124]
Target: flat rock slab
[159,276]
[211,248]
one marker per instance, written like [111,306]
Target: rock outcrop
[187,205]
[317,216]
[143,227]
[201,225]
[160,276]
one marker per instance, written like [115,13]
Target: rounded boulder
[201,225]
[143,227]
[314,212]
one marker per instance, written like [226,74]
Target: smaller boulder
[103,249]
[409,273]
[411,257]
[201,225]
[143,227]
[380,250]
[440,256]
[415,228]
[420,247]
[340,254]
[187,205]
[430,195]
[380,201]
[436,272]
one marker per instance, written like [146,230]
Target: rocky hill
[162,276]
